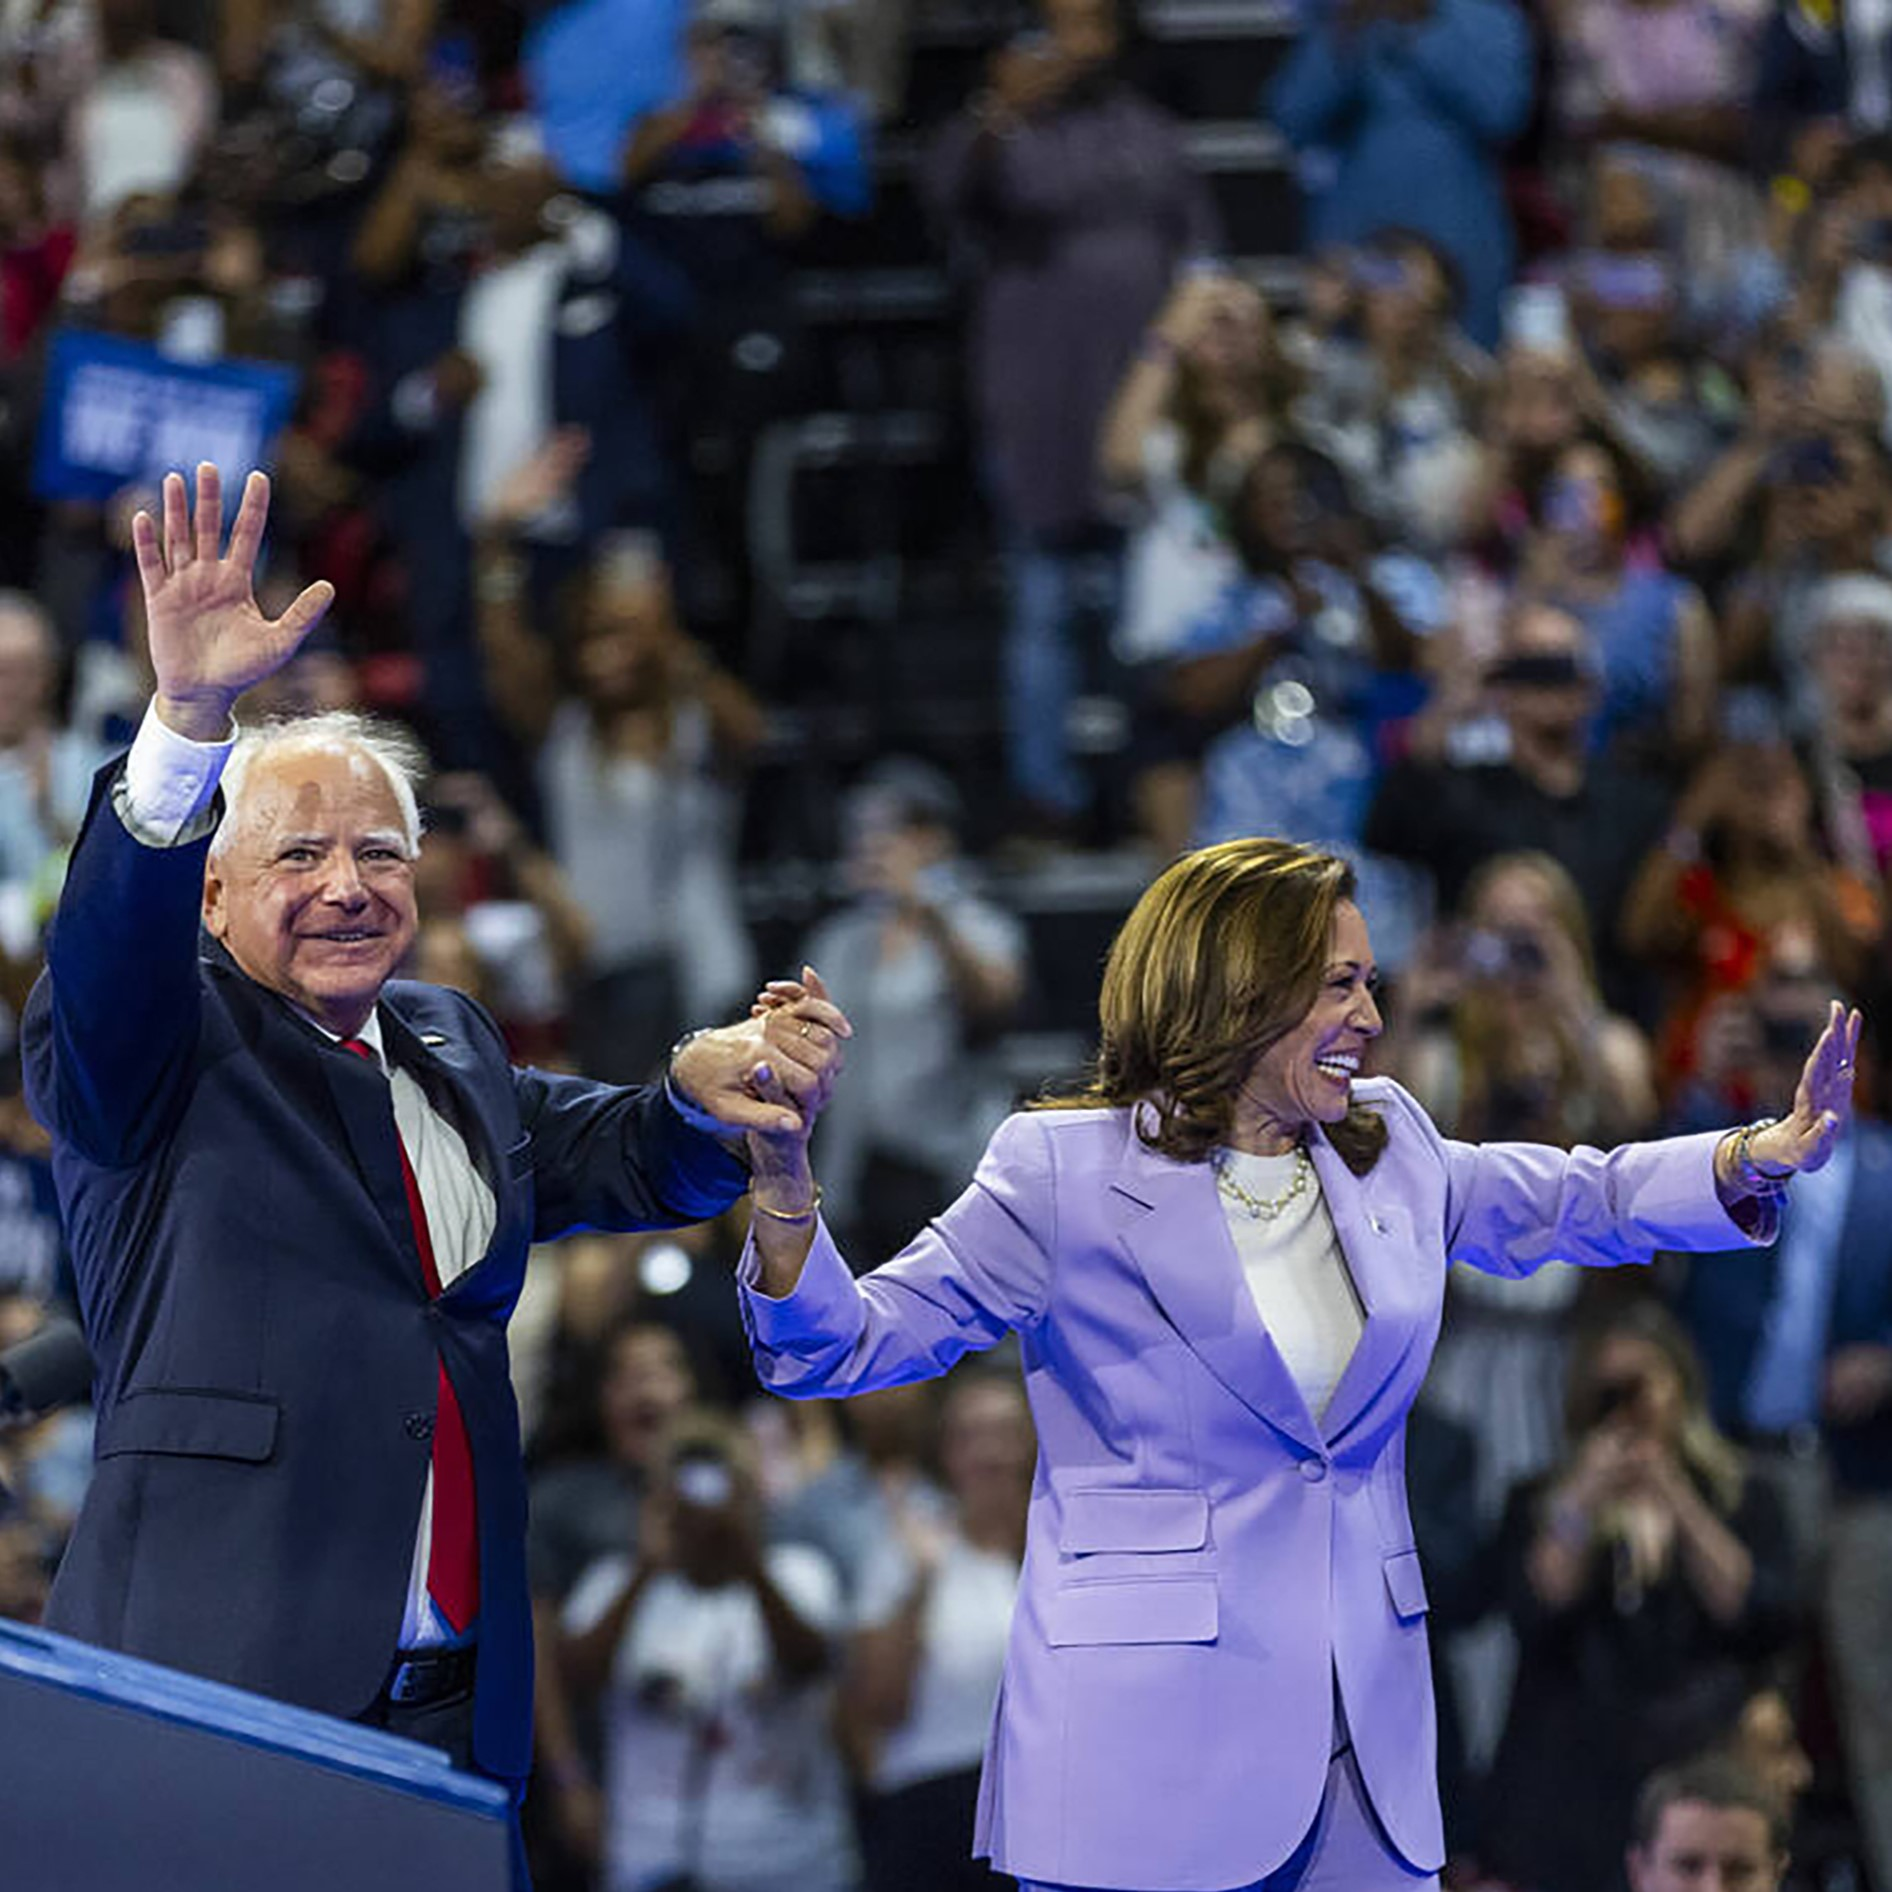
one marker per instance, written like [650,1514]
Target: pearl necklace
[1263,1208]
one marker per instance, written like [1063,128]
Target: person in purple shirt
[1224,1260]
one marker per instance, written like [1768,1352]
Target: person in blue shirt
[1413,101]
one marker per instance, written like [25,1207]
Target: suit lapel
[360,1094]
[1172,1224]
[1372,1243]
[435,1061]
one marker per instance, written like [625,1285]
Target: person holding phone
[1224,1259]
[1648,1577]
[1416,101]
[711,1656]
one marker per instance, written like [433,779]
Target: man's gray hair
[399,757]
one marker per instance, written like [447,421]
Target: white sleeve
[170,783]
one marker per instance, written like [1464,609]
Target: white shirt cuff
[169,787]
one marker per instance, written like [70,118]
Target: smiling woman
[1226,1258]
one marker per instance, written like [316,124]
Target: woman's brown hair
[1223,955]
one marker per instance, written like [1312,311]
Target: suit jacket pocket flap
[1174,1609]
[1406,1584]
[1130,1519]
[192,1424]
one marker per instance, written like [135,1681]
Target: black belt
[420,1678]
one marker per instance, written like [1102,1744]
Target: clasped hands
[770,1075]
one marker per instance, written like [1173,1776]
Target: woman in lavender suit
[1224,1262]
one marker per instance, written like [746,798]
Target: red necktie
[453,1552]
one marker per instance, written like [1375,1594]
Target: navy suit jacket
[1725,1299]
[248,1277]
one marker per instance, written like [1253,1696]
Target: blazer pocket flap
[1177,1609]
[192,1424]
[1406,1584]
[1132,1519]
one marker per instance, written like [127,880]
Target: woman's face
[1852,662]
[1281,512]
[1237,339]
[1584,504]
[1538,408]
[647,1383]
[1307,1076]
[1517,910]
[1634,1383]
[1768,799]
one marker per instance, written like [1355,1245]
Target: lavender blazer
[1203,1557]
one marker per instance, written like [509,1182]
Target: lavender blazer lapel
[1375,1237]
[1170,1221]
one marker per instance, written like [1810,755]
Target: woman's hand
[1802,1142]
[769,1076]
[209,642]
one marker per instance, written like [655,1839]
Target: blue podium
[118,1775]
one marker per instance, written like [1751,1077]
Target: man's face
[313,894]
[1699,1848]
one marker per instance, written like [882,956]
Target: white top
[165,798]
[964,1624]
[1296,1273]
[711,1764]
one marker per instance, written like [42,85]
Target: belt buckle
[410,1680]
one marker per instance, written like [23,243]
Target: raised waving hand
[209,641]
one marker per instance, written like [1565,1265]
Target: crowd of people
[1533,550]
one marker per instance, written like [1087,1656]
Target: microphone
[47,1370]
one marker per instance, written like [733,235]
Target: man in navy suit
[300,1194]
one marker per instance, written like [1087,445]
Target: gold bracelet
[1768,1185]
[780,1215]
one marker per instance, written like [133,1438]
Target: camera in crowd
[1491,954]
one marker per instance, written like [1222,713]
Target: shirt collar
[369,1034]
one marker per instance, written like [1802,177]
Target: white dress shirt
[165,799]
[1296,1274]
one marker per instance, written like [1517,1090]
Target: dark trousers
[919,1838]
[448,1725]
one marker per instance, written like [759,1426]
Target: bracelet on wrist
[783,1215]
[1770,1185]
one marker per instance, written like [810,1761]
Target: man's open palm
[209,641]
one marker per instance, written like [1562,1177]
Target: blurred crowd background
[866,481]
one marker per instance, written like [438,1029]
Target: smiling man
[299,1194]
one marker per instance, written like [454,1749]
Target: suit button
[418,1425]
[1313,1470]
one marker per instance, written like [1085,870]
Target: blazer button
[1313,1470]
[418,1425]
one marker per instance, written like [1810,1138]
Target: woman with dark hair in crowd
[1225,1259]
[1648,1578]
[1592,550]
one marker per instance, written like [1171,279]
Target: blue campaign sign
[119,413]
